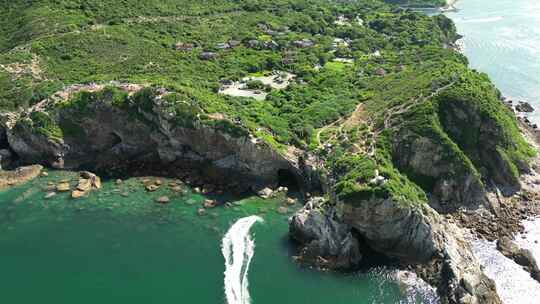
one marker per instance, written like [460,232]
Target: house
[181,46]
[208,55]
[304,43]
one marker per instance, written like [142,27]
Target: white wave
[514,285]
[483,20]
[238,248]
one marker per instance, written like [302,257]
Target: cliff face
[380,200]
[102,135]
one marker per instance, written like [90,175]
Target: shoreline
[449,7]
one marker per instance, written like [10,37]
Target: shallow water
[113,249]
[514,285]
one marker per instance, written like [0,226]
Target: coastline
[449,7]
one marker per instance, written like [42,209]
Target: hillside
[372,100]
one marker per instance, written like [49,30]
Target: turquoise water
[109,248]
[502,39]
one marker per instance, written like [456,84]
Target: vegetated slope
[418,3]
[381,106]
[413,88]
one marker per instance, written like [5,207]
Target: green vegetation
[404,85]
[43,124]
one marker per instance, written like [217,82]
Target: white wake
[238,248]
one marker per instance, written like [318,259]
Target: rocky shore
[332,234]
[422,240]
[19,175]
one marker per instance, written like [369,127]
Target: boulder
[208,55]
[209,204]
[323,234]
[163,200]
[63,187]
[95,180]
[181,46]
[19,175]
[523,106]
[84,185]
[78,193]
[522,257]
[152,188]
[291,201]
[176,189]
[265,193]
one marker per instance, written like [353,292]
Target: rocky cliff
[99,130]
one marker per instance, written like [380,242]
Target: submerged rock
[49,195]
[77,193]
[282,210]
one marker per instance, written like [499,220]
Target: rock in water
[19,175]
[63,187]
[524,107]
[163,200]
[87,182]
[84,185]
[152,188]
[49,195]
[209,204]
[522,257]
[265,193]
[77,194]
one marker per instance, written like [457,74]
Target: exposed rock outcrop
[398,231]
[439,170]
[416,235]
[108,135]
[523,106]
[522,257]
[324,239]
[19,175]
[88,181]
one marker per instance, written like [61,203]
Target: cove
[109,248]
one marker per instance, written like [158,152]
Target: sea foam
[238,248]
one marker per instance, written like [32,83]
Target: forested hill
[371,81]
[418,3]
